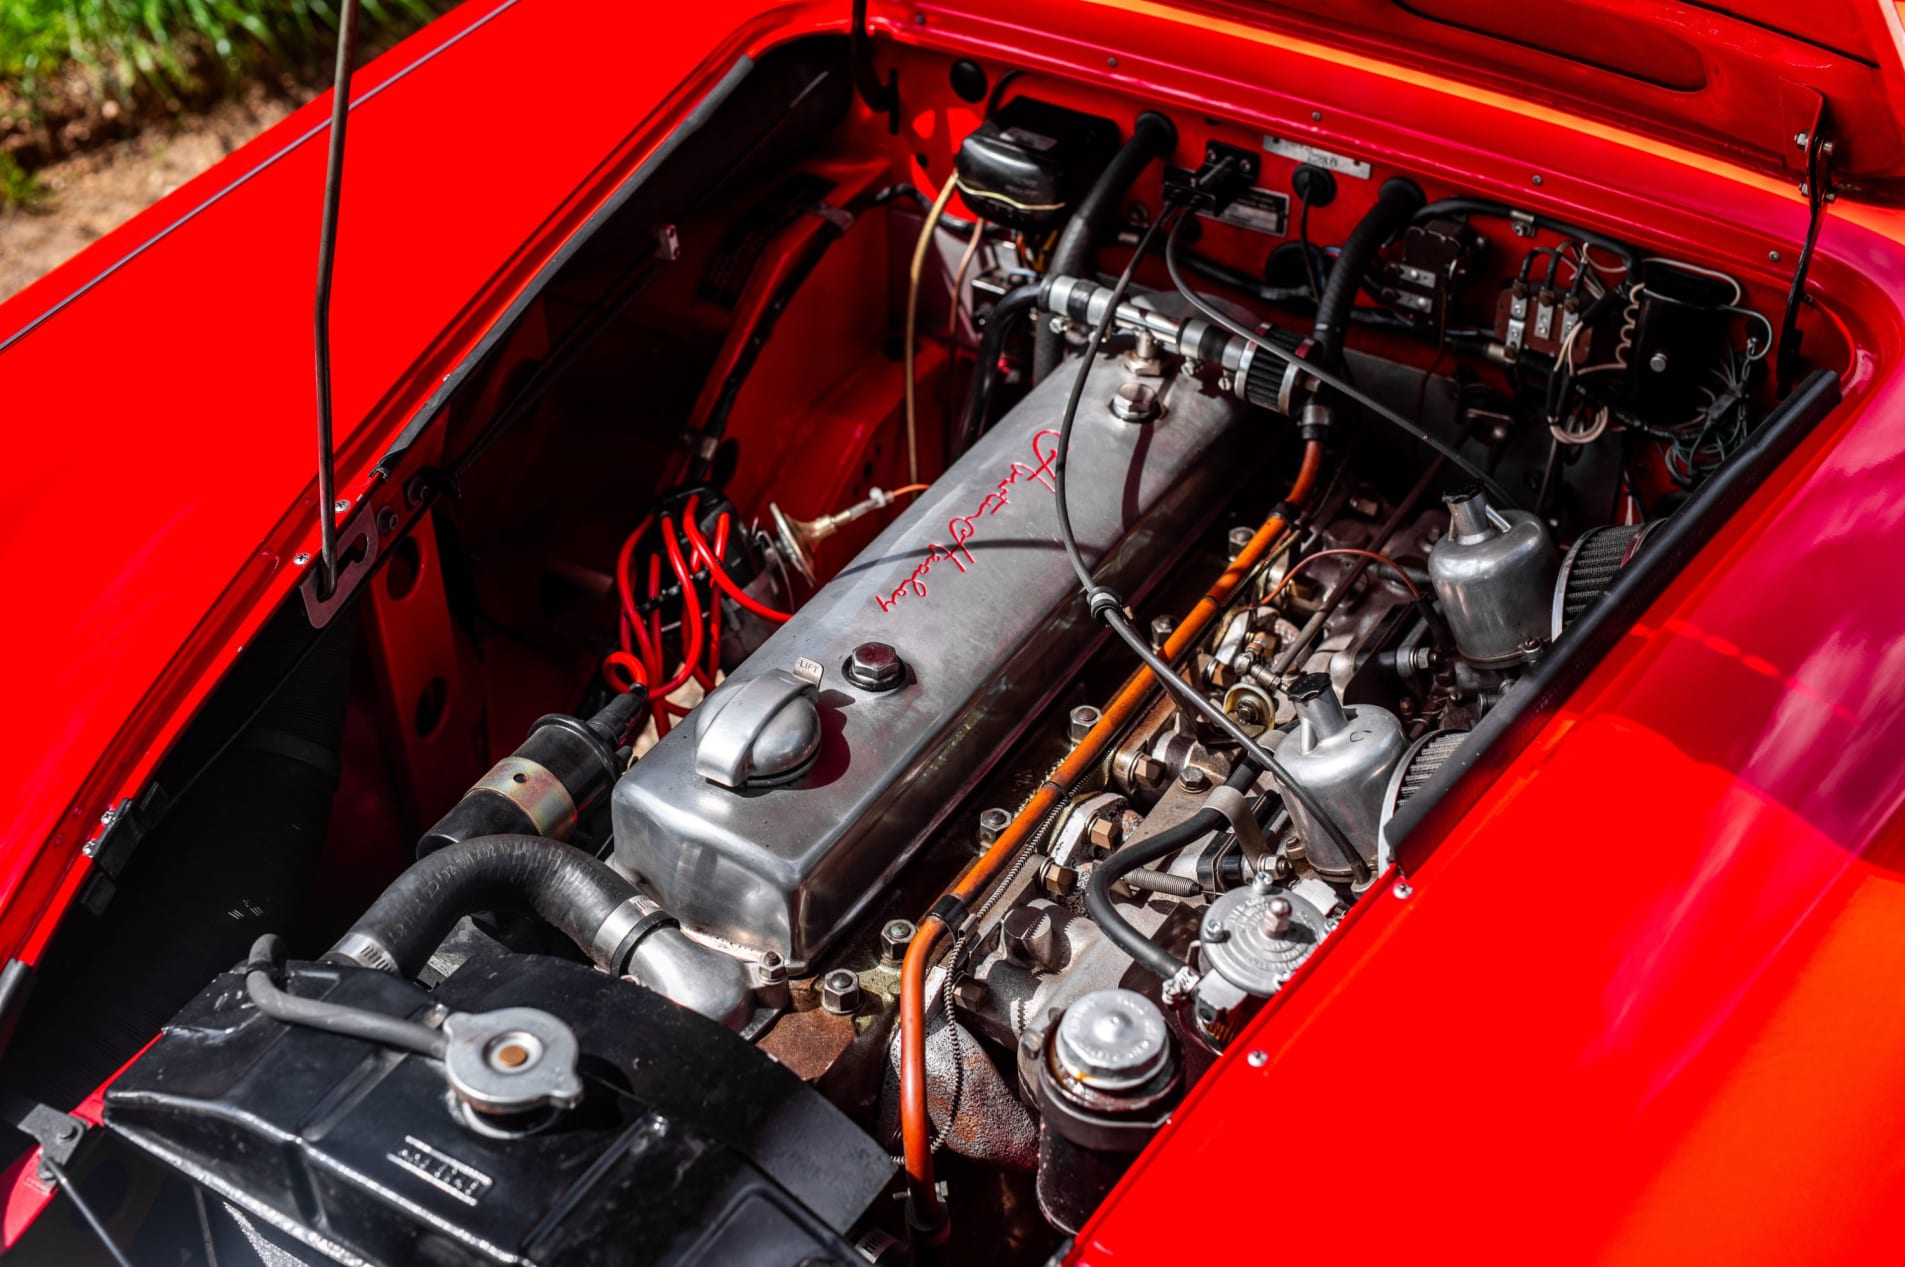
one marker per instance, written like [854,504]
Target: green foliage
[20,189]
[164,49]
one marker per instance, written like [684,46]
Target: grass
[167,46]
[116,62]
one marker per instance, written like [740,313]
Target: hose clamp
[617,936]
[361,948]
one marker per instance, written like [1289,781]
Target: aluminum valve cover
[972,588]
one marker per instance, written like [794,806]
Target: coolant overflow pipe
[925,1211]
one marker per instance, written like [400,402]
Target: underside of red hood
[1740,81]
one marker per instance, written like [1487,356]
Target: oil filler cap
[762,733]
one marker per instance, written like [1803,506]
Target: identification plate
[1302,153]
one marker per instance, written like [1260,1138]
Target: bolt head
[992,823]
[1239,538]
[1105,831]
[840,992]
[895,937]
[1082,719]
[1162,627]
[875,666]
[1194,777]
[1149,771]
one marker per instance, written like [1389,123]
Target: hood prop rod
[1819,191]
[327,259]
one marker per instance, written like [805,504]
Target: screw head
[1403,890]
[1802,139]
[1258,1059]
[1537,179]
[1657,362]
[341,505]
[1772,257]
[840,992]
[875,666]
[894,939]
[1316,116]
[301,558]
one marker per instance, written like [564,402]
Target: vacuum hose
[1163,844]
[1152,136]
[1396,204]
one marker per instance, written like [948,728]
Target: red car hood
[1740,81]
[158,387]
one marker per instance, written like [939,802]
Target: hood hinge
[1819,190]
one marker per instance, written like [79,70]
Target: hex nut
[840,992]
[1057,880]
[875,666]
[895,936]
[1081,720]
[992,824]
[1149,771]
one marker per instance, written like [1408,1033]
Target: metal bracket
[1231,803]
[58,1134]
[121,829]
[358,564]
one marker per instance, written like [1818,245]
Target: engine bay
[914,637]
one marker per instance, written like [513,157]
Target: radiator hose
[1396,204]
[1152,136]
[578,895]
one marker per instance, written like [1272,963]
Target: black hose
[332,1018]
[1396,203]
[1010,306]
[1098,904]
[572,891]
[1152,136]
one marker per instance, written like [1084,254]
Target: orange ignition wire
[915,1123]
